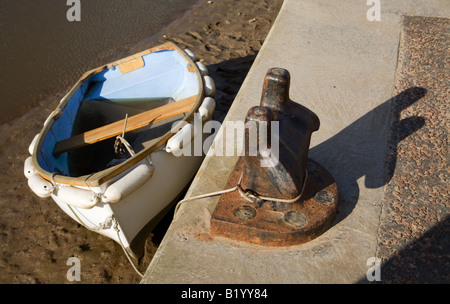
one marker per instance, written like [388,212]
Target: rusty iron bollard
[289,200]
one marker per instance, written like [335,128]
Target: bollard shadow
[362,151]
[228,77]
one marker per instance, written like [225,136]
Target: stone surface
[415,220]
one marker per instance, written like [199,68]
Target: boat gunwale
[96,179]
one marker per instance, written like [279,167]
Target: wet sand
[36,237]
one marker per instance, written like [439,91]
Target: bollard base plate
[273,223]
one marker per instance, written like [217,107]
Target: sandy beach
[36,237]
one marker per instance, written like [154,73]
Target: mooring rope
[251,197]
[105,225]
[121,139]
[116,228]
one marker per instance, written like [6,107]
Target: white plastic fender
[210,87]
[77,197]
[176,142]
[49,118]
[33,144]
[39,186]
[202,68]
[190,54]
[127,184]
[28,168]
[207,108]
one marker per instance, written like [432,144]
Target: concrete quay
[343,67]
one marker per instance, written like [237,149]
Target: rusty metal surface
[296,123]
[274,223]
[292,201]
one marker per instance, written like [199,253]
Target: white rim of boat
[98,178]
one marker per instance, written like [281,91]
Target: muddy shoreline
[36,237]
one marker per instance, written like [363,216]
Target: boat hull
[124,200]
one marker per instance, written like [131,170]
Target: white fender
[190,54]
[33,144]
[48,119]
[207,108]
[202,68]
[28,168]
[127,184]
[210,87]
[177,142]
[39,186]
[53,115]
[77,197]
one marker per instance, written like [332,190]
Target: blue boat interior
[107,97]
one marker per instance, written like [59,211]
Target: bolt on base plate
[275,223]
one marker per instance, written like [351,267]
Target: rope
[54,184]
[245,194]
[101,226]
[254,197]
[121,139]
[116,228]
[200,197]
[126,144]
[106,225]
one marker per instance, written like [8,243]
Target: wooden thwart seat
[133,123]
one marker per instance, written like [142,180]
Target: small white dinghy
[107,154]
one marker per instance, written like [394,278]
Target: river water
[43,53]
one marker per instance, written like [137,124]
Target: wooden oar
[133,123]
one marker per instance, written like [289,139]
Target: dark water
[43,53]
